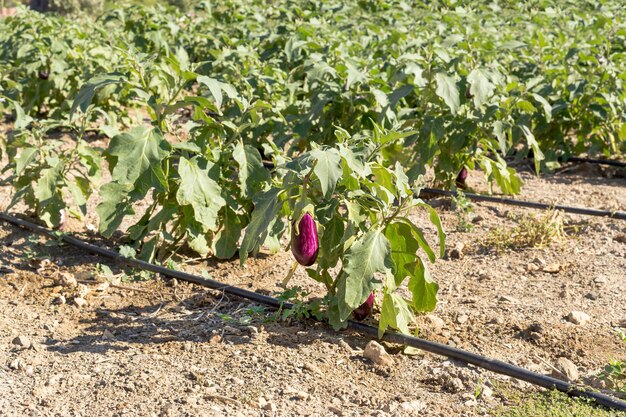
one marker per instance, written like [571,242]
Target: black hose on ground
[620,215]
[597,161]
[392,337]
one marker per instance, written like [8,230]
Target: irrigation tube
[597,161]
[426,345]
[620,215]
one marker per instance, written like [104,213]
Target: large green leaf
[368,255]
[480,85]
[200,191]
[252,175]
[423,288]
[85,94]
[114,207]
[266,208]
[226,240]
[328,168]
[395,313]
[448,91]
[138,155]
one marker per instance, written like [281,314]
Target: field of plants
[283,146]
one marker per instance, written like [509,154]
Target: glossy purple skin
[364,309]
[305,246]
[460,179]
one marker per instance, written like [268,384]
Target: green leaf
[200,191]
[448,91]
[252,175]
[138,155]
[480,86]
[369,254]
[434,219]
[266,208]
[114,207]
[330,242]
[395,313]
[226,239]
[328,169]
[25,158]
[87,91]
[423,288]
[404,249]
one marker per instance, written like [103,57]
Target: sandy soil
[165,348]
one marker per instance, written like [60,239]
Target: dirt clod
[377,354]
[566,368]
[22,341]
[578,317]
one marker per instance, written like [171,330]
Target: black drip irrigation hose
[620,215]
[483,362]
[597,161]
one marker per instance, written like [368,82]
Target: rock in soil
[567,368]
[22,341]
[434,323]
[377,354]
[578,317]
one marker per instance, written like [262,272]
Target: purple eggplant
[364,309]
[460,179]
[304,242]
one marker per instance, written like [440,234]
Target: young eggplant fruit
[304,242]
[364,309]
[460,179]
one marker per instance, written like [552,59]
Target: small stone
[82,291]
[414,406]
[68,280]
[345,346]
[454,385]
[80,302]
[22,341]
[107,335]
[486,393]
[232,330]
[567,368]
[507,299]
[102,287]
[600,280]
[16,364]
[270,406]
[462,319]
[532,267]
[252,330]
[312,368]
[578,317]
[591,296]
[377,354]
[215,339]
[59,300]
[553,268]
[434,323]
[457,252]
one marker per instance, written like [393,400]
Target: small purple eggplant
[364,309]
[460,179]
[304,242]
[43,75]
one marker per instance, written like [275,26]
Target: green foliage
[228,121]
[549,403]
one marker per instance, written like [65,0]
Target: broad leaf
[138,155]
[369,254]
[200,191]
[448,91]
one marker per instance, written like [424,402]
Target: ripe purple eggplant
[460,179]
[43,75]
[364,309]
[304,242]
